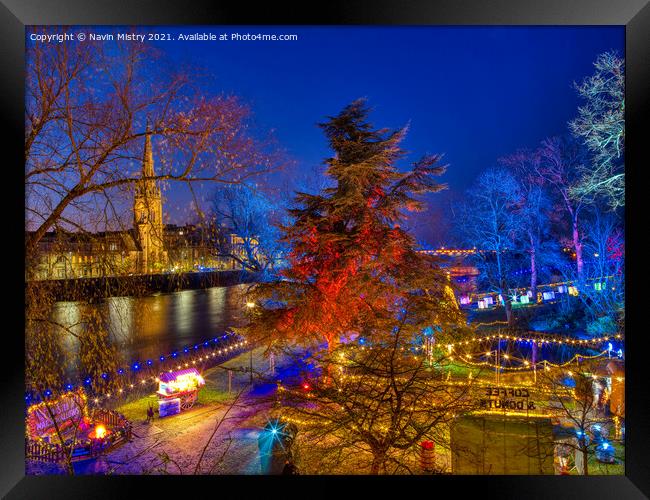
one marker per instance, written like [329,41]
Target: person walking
[150,413]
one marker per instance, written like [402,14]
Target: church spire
[147,161]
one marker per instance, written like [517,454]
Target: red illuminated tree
[355,274]
[351,265]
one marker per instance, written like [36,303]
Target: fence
[121,431]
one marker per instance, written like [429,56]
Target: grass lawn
[215,390]
[597,468]
[462,371]
[136,410]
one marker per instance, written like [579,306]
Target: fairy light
[539,340]
[143,381]
[450,347]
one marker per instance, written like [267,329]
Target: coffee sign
[506,398]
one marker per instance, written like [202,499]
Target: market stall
[63,426]
[178,390]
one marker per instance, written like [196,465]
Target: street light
[250,306]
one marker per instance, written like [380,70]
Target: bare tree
[603,295]
[88,113]
[487,220]
[600,124]
[573,402]
[254,217]
[379,404]
[532,210]
[85,116]
[559,163]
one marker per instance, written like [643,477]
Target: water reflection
[181,311]
[68,315]
[148,327]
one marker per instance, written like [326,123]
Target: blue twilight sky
[472,93]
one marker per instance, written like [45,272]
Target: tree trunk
[378,460]
[533,271]
[68,467]
[507,303]
[331,345]
[503,291]
[508,306]
[534,353]
[577,246]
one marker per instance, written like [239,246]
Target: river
[148,327]
[145,328]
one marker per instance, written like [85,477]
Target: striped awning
[170,376]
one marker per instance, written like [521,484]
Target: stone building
[149,247]
[195,248]
[79,255]
[148,216]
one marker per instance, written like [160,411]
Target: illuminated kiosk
[57,428]
[178,390]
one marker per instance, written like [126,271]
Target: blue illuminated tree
[487,220]
[533,212]
[603,295]
[558,166]
[254,217]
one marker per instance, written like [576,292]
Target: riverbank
[92,289]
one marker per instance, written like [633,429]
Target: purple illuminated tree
[559,164]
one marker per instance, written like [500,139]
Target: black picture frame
[16,14]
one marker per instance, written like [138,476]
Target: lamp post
[250,306]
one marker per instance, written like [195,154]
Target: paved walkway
[173,445]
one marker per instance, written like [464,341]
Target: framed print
[383,244]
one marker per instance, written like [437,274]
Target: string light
[526,364]
[539,340]
[122,390]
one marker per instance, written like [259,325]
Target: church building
[149,247]
[148,216]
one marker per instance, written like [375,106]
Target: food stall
[178,390]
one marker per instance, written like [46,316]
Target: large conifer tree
[354,273]
[352,266]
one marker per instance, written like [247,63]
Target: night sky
[474,94]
